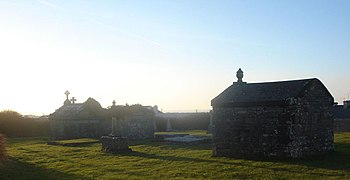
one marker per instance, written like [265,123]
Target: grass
[32,158]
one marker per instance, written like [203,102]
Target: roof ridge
[270,92]
[309,79]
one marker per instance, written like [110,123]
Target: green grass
[32,158]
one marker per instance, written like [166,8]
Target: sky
[177,54]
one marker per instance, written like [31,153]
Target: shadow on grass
[173,145]
[73,144]
[16,169]
[336,160]
[237,163]
[166,157]
[339,159]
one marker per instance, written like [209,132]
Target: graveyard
[174,89]
[33,158]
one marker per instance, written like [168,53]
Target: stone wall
[248,132]
[314,122]
[133,127]
[342,125]
[138,127]
[71,129]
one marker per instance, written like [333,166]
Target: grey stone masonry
[342,117]
[91,120]
[115,144]
[288,119]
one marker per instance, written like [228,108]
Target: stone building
[287,119]
[342,117]
[134,122]
[90,120]
[77,120]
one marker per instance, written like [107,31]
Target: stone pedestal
[115,144]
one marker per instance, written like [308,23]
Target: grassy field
[32,158]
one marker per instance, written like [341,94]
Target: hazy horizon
[177,55]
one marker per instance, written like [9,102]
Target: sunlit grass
[32,158]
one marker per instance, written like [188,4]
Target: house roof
[267,93]
[341,113]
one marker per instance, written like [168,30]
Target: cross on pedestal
[73,100]
[67,93]
[113,126]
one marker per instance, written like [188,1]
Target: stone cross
[113,124]
[73,100]
[168,125]
[67,93]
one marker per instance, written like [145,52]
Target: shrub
[14,124]
[3,154]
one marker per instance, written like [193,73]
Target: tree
[13,124]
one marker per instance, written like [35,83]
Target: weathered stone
[115,144]
[90,120]
[291,119]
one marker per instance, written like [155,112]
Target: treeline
[190,121]
[13,124]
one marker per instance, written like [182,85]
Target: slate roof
[69,110]
[89,109]
[267,93]
[341,113]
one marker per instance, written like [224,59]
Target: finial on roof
[113,102]
[67,101]
[239,75]
[67,94]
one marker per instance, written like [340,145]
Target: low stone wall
[342,125]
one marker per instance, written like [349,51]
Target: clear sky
[177,54]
